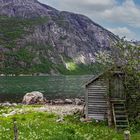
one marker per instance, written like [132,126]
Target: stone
[14,104]
[78,101]
[6,104]
[68,101]
[10,114]
[34,97]
[58,101]
[60,120]
[76,36]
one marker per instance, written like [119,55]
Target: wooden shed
[105,98]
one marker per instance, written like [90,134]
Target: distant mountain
[137,42]
[36,38]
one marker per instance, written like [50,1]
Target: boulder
[34,97]
[78,101]
[68,101]
[6,104]
[58,102]
[14,104]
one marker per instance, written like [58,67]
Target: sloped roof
[99,75]
[93,79]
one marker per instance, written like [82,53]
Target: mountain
[137,43]
[36,38]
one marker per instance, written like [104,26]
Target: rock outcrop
[34,97]
[53,41]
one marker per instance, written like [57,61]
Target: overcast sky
[122,17]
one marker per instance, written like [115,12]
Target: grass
[43,126]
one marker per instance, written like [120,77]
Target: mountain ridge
[45,40]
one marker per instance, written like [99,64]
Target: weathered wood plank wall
[96,101]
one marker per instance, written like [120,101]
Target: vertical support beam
[86,102]
[109,112]
[15,130]
[109,105]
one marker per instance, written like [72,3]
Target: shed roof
[93,79]
[101,74]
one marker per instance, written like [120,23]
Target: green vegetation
[79,69]
[43,126]
[128,60]
[71,68]
[14,88]
[31,58]
[12,29]
[17,59]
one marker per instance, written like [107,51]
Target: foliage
[16,58]
[12,29]
[127,57]
[43,126]
[72,68]
[135,125]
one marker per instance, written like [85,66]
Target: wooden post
[127,135]
[15,130]
[109,112]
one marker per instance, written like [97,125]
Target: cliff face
[38,38]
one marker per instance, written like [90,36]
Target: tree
[127,56]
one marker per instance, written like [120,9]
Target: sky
[122,17]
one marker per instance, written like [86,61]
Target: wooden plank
[96,117]
[97,88]
[96,101]
[94,96]
[97,108]
[97,94]
[96,112]
[97,105]
[93,89]
[97,85]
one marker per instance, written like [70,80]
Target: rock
[68,101]
[59,101]
[10,114]
[60,120]
[78,101]
[86,119]
[47,101]
[7,104]
[82,119]
[34,97]
[4,115]
[14,104]
[78,31]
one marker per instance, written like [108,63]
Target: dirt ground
[60,109]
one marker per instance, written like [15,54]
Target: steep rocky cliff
[36,38]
